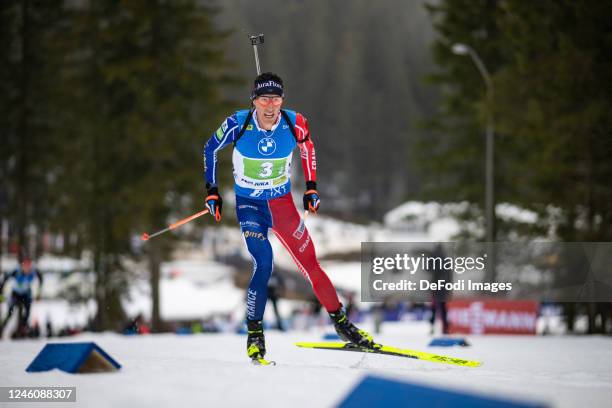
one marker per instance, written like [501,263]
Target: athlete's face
[26,266]
[268,109]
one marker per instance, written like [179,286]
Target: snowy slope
[211,370]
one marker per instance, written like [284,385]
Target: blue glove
[214,203]
[311,197]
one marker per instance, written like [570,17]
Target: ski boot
[256,343]
[349,332]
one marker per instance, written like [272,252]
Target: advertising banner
[492,316]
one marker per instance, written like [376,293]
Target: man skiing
[21,294]
[264,139]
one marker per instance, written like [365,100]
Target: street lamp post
[463,49]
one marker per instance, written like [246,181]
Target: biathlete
[21,293]
[264,138]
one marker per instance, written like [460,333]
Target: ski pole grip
[257,39]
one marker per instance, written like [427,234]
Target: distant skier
[264,138]
[21,294]
[275,288]
[137,325]
[439,298]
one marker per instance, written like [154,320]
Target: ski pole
[256,39]
[146,237]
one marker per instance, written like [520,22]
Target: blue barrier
[331,336]
[374,392]
[73,358]
[448,342]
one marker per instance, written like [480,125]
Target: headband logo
[268,85]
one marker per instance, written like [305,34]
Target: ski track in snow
[212,369]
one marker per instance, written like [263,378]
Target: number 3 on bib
[266,169]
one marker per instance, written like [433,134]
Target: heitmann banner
[492,316]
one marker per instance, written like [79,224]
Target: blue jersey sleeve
[221,138]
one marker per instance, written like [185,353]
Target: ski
[262,361]
[391,351]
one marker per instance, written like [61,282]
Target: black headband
[268,87]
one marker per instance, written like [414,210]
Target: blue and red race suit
[262,172]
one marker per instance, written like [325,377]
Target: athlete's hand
[214,203]
[311,197]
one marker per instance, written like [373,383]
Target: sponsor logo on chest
[266,146]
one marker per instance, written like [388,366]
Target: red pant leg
[292,233]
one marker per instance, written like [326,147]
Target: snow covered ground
[211,370]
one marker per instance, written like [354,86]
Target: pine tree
[548,65]
[143,83]
[450,156]
[552,104]
[28,69]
